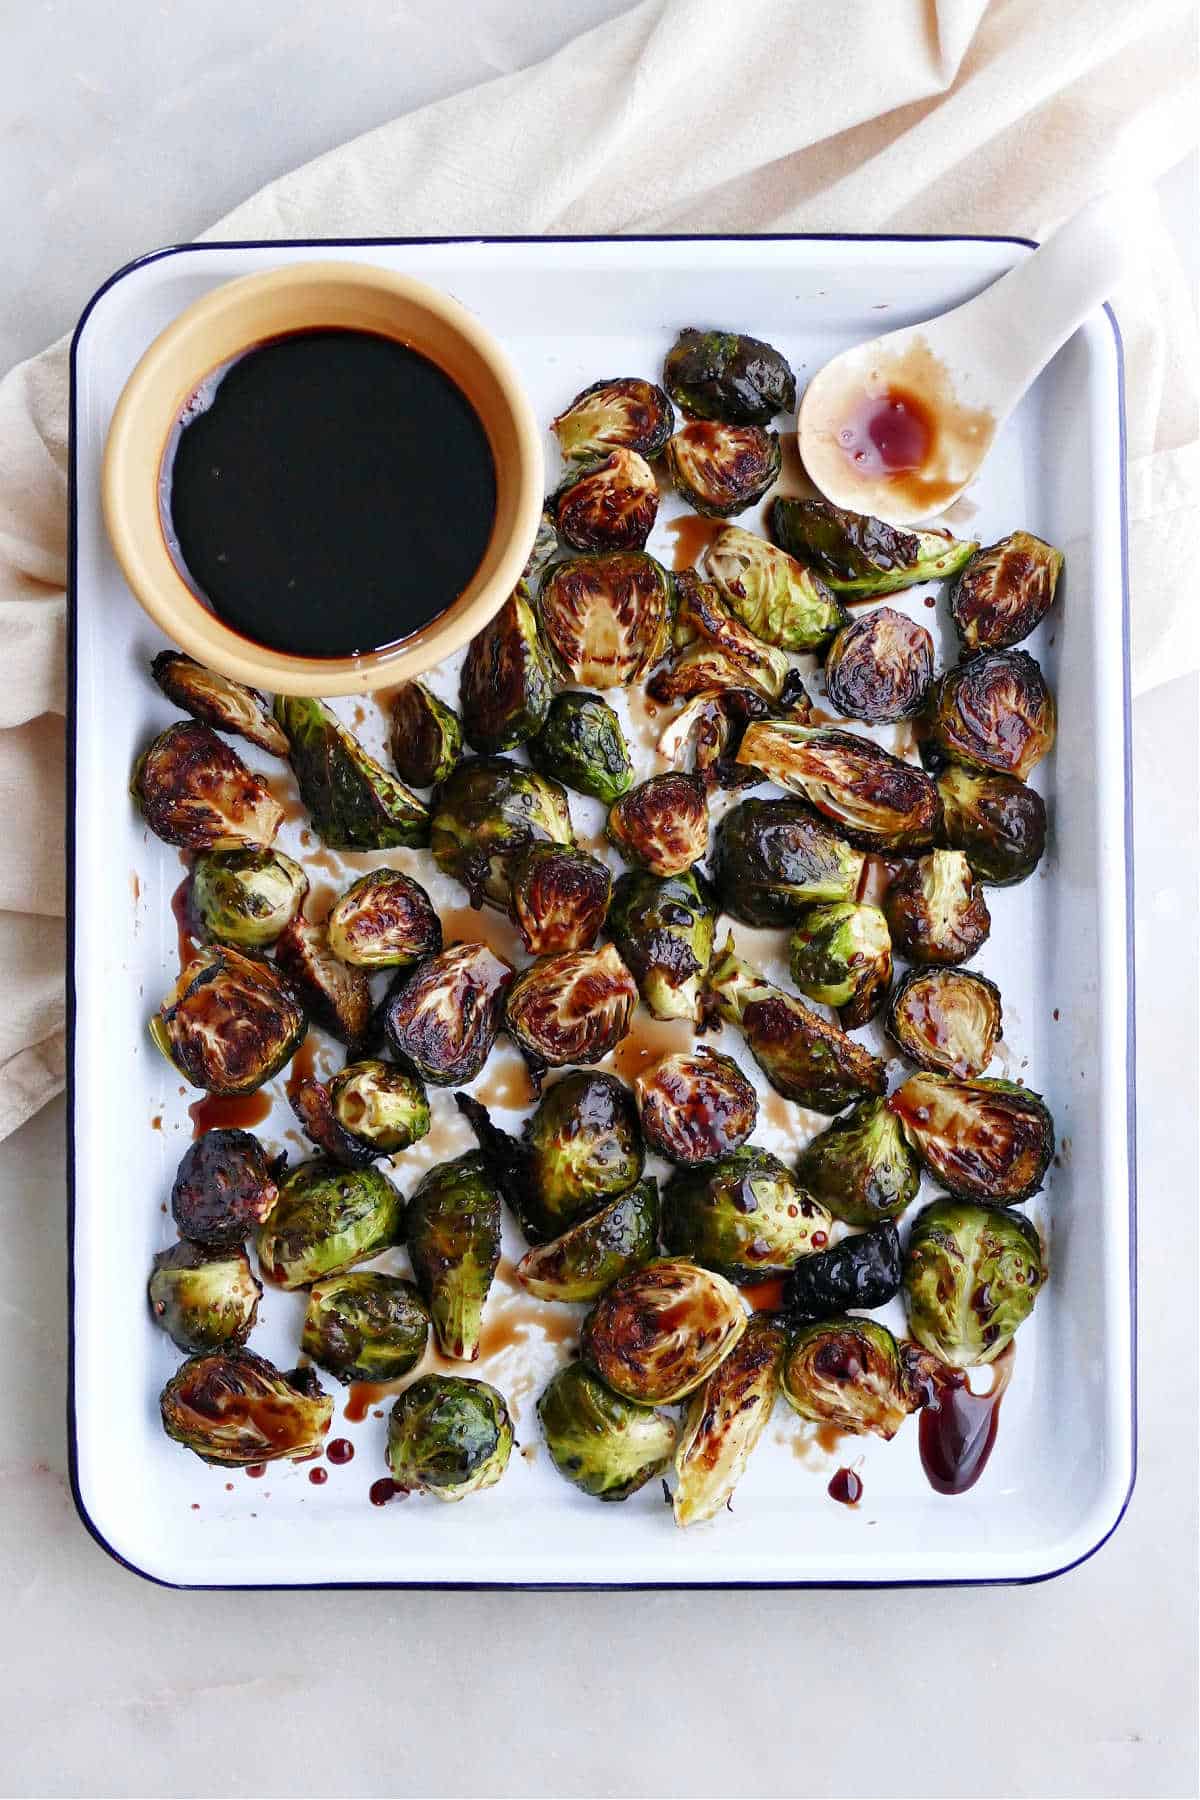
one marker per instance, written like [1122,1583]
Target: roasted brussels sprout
[1005,591]
[204,1299]
[365,1327]
[592,1253]
[217,701]
[442,1018]
[426,736]
[486,814]
[545,548]
[384,920]
[716,651]
[571,1008]
[936,913]
[507,682]
[662,824]
[726,375]
[312,1103]
[998,823]
[224,1188]
[336,997]
[773,858]
[609,504]
[859,556]
[452,1227]
[722,469]
[662,1329]
[862,1271]
[354,803]
[379,1104]
[879,667]
[873,798]
[710,729]
[851,1374]
[983,1140]
[228,1023]
[602,1443]
[582,744]
[946,1020]
[695,1106]
[745,1216]
[664,932]
[607,617]
[861,1167]
[449,1436]
[327,1219]
[725,1419]
[246,898]
[782,602]
[583,1146]
[626,413]
[802,1055]
[994,711]
[971,1276]
[195,792]
[841,956]
[236,1408]
[559,897]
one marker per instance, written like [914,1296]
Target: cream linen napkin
[681,115]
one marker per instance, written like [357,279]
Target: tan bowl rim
[156,391]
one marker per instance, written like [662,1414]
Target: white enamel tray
[571,312]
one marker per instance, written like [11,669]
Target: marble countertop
[1081,1686]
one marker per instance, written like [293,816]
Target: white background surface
[122,130]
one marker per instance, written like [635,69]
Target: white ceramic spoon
[899,425]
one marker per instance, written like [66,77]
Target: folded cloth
[681,116]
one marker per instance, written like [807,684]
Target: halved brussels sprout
[235,1408]
[860,556]
[722,469]
[449,1436]
[718,651]
[607,617]
[773,858]
[781,601]
[841,956]
[310,1100]
[384,920]
[1005,591]
[217,701]
[709,730]
[625,413]
[365,1327]
[802,1055]
[984,1140]
[442,1018]
[851,1374]
[971,1276]
[452,1226]
[873,798]
[426,736]
[861,1167]
[571,1008]
[727,375]
[609,504]
[662,1329]
[725,1419]
[506,682]
[862,1271]
[583,1146]
[336,997]
[229,1022]
[246,898]
[936,913]
[559,897]
[354,803]
[327,1219]
[603,1444]
[195,792]
[946,1020]
[994,711]
[204,1299]
[997,822]
[745,1216]
[488,812]
[695,1106]
[545,548]
[592,1253]
[381,1105]
[582,744]
[879,667]
[224,1188]
[664,932]
[662,824]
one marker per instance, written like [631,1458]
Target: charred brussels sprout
[486,814]
[582,744]
[664,932]
[859,556]
[862,1271]
[983,1140]
[310,1100]
[610,504]
[715,650]
[946,1020]
[603,1444]
[326,1220]
[365,1327]
[722,469]
[384,920]
[873,798]
[380,1105]
[449,1437]
[745,1216]
[850,1373]
[662,824]
[623,414]
[725,1419]
[589,1257]
[426,736]
[352,800]
[452,1226]
[710,729]
[861,1167]
[726,375]
[195,792]
[773,858]
[583,1145]
[971,1276]
[441,1020]
[782,602]
[998,823]
[606,617]
[662,1329]
[571,1008]
[1005,591]
[935,912]
[236,1408]
[695,1106]
[204,1299]
[246,898]
[559,898]
[841,956]
[229,1022]
[224,1188]
[879,668]
[217,701]
[995,712]
[507,682]
[335,996]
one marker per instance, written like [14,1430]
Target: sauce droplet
[958,1430]
[363,1395]
[384,1490]
[256,1470]
[228,1112]
[846,1487]
[692,536]
[341,1450]
[318,1477]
